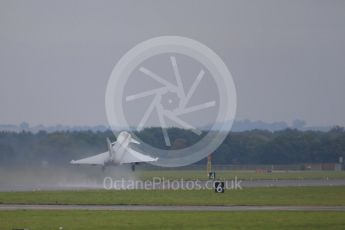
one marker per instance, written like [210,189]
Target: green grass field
[240,174]
[170,220]
[326,195]
[321,196]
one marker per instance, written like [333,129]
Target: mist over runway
[122,178]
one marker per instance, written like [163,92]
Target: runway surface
[180,185]
[168,208]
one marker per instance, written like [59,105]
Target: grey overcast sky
[287,58]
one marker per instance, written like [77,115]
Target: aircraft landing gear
[133,167]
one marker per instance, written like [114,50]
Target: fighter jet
[118,153]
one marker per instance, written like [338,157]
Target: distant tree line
[289,146]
